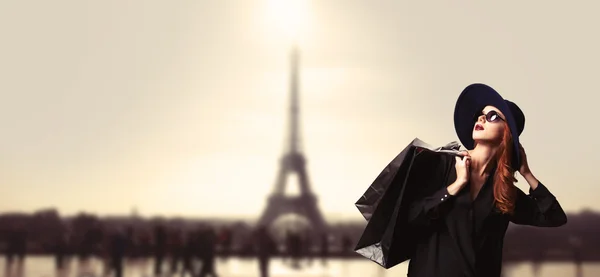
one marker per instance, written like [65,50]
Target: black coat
[460,237]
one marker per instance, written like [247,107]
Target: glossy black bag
[416,172]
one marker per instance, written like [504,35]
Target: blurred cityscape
[176,244]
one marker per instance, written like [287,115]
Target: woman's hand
[462,173]
[524,169]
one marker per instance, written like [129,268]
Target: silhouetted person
[265,247]
[188,252]
[132,249]
[105,254]
[288,246]
[144,249]
[17,246]
[225,240]
[10,247]
[208,241]
[324,247]
[85,246]
[306,247]
[160,235]
[537,258]
[118,248]
[176,249]
[578,260]
[145,246]
[61,250]
[21,245]
[294,248]
[576,244]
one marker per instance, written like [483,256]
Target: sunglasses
[491,116]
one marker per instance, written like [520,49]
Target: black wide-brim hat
[470,104]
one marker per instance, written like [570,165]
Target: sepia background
[127,115]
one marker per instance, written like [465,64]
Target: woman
[463,224]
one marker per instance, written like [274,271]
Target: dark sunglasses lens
[492,116]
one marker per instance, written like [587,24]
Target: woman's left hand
[524,170]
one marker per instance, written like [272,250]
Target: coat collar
[484,203]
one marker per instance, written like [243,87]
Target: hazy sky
[179,107]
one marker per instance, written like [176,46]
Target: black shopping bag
[418,170]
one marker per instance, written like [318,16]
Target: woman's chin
[485,141]
[477,138]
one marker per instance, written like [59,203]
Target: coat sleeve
[426,210]
[431,202]
[539,208]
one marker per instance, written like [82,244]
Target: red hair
[505,192]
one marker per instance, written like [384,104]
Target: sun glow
[290,17]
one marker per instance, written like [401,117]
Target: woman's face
[489,126]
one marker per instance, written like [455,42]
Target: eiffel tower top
[293,145]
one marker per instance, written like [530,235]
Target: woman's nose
[481,118]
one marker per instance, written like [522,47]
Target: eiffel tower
[293,161]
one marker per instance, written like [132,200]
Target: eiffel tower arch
[293,162]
